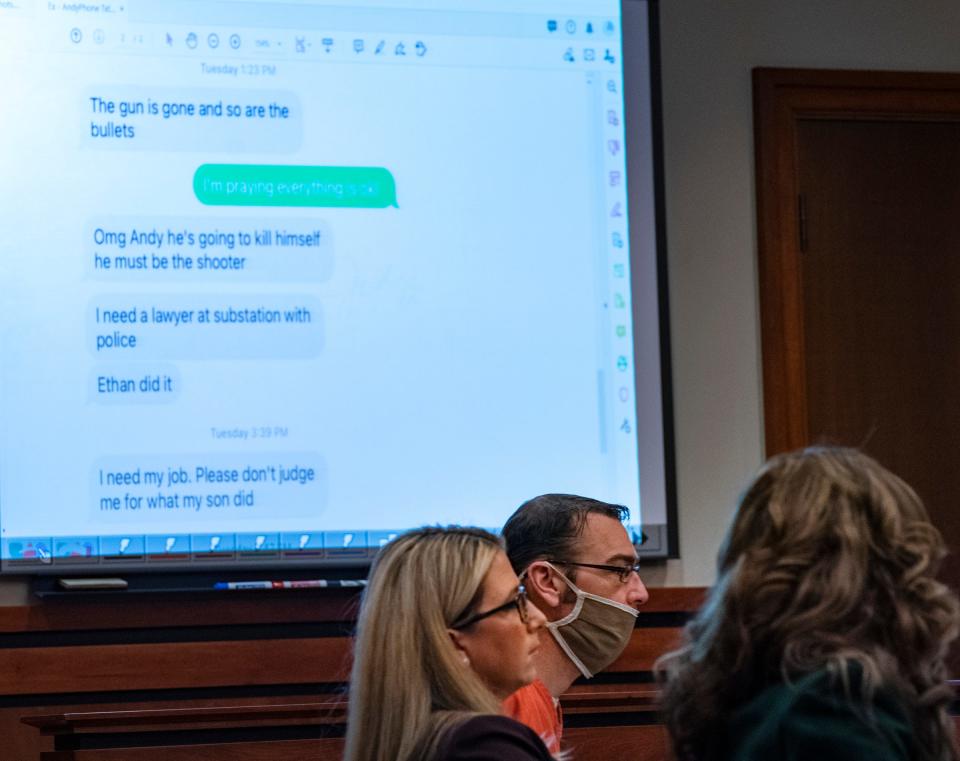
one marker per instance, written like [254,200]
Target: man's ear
[543,586]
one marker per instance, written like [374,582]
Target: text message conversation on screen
[291,278]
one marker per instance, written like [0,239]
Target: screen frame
[659,541]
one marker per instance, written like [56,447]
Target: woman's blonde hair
[830,562]
[409,685]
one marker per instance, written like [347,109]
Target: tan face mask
[595,632]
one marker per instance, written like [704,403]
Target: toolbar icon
[358,46]
[616,211]
[568,56]
[74,548]
[75,35]
[622,363]
[615,178]
[624,393]
[551,25]
[327,43]
[421,49]
[613,146]
[625,426]
[300,44]
[400,49]
[213,40]
[609,28]
[617,240]
[307,542]
[612,119]
[618,301]
[346,543]
[608,56]
[589,54]
[252,542]
[571,26]
[379,48]
[589,28]
[235,41]
[619,270]
[621,331]
[611,85]
[191,40]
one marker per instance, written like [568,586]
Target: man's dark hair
[549,526]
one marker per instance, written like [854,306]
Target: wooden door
[859,217]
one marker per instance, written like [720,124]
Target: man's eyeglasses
[623,571]
[519,601]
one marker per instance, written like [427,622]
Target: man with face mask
[579,567]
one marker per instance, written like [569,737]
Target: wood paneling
[649,743]
[599,717]
[164,666]
[24,743]
[288,750]
[645,646]
[232,653]
[159,666]
[117,611]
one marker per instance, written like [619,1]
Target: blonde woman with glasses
[445,633]
[825,634]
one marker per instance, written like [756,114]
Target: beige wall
[708,48]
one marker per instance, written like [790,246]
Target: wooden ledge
[82,722]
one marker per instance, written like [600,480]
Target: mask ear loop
[572,615]
[554,626]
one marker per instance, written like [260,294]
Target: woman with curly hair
[825,634]
[445,634]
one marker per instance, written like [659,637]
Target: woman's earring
[466,659]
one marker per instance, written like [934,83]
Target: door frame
[781,98]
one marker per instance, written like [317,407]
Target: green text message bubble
[359,187]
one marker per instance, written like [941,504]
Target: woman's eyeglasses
[519,601]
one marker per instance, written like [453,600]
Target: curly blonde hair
[830,563]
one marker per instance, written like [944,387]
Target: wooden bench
[601,718]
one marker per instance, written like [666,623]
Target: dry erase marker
[296,584]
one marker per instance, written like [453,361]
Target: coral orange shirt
[534,706]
